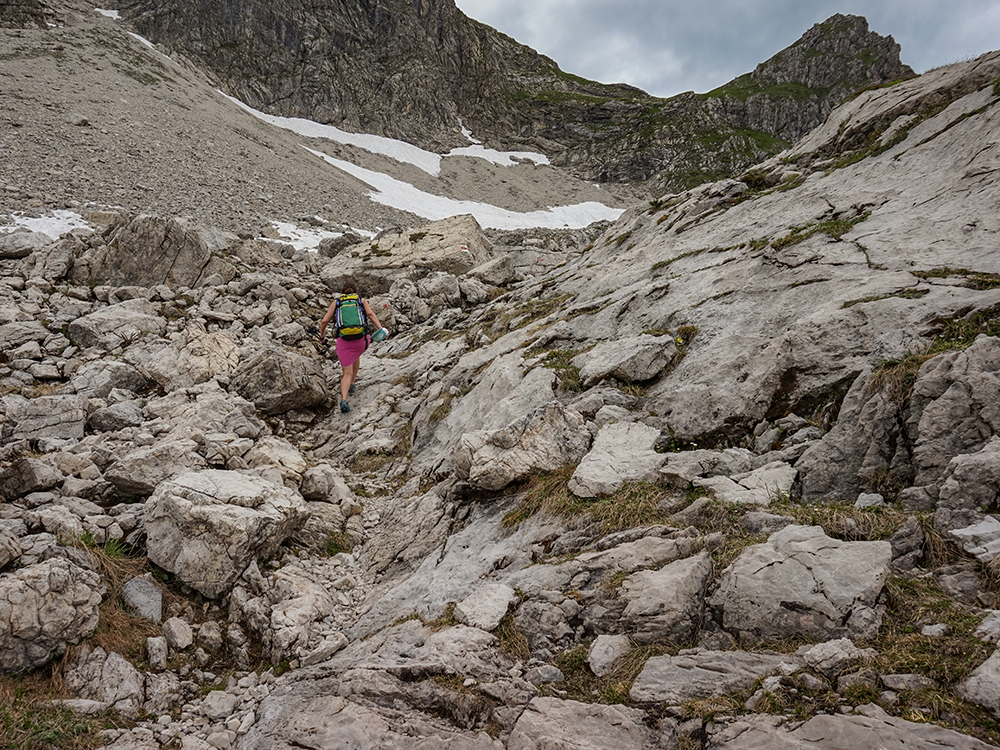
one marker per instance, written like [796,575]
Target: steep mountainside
[415,70]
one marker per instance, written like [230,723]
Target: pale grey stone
[178,633]
[686,466]
[546,439]
[278,381]
[702,674]
[59,417]
[833,657]
[195,357]
[206,527]
[108,677]
[665,606]
[145,597]
[141,471]
[156,651]
[219,704]
[116,325]
[605,651]
[873,728]
[629,360]
[486,606]
[44,608]
[802,582]
[982,687]
[552,723]
[621,452]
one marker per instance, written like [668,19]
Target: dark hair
[349,288]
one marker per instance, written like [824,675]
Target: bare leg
[348,377]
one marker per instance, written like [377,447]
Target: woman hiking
[351,313]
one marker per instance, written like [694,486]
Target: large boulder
[207,527]
[148,250]
[555,723]
[630,360]
[544,440]
[622,452]
[140,471]
[44,609]
[969,488]
[454,245]
[115,325]
[59,417]
[99,676]
[666,605]
[277,381]
[194,358]
[699,674]
[871,727]
[21,243]
[802,582]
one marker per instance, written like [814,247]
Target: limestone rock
[277,381]
[486,607]
[60,417]
[140,471]
[802,582]
[546,439]
[206,527]
[116,325]
[27,475]
[871,727]
[605,651]
[702,674]
[686,466]
[982,687]
[21,244]
[665,606]
[149,250]
[45,608]
[550,722]
[758,487]
[622,452]
[194,358]
[109,678]
[629,360]
[145,597]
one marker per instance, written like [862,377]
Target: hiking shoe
[351,389]
[344,407]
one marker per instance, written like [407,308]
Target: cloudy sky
[669,46]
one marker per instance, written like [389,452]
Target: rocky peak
[840,53]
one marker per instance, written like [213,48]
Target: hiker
[351,313]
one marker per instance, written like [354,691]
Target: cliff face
[416,69]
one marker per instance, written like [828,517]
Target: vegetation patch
[29,721]
[582,685]
[560,360]
[904,294]
[512,641]
[974,279]
[634,504]
[417,236]
[948,659]
[898,376]
[835,228]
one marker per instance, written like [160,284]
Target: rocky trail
[722,475]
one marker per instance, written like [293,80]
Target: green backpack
[351,322]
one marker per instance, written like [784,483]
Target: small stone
[178,633]
[156,652]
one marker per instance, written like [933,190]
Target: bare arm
[326,320]
[371,313]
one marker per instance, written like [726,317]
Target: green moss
[904,294]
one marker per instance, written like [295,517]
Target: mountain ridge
[413,71]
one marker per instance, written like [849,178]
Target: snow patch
[54,225]
[397,194]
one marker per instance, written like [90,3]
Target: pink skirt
[349,352]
